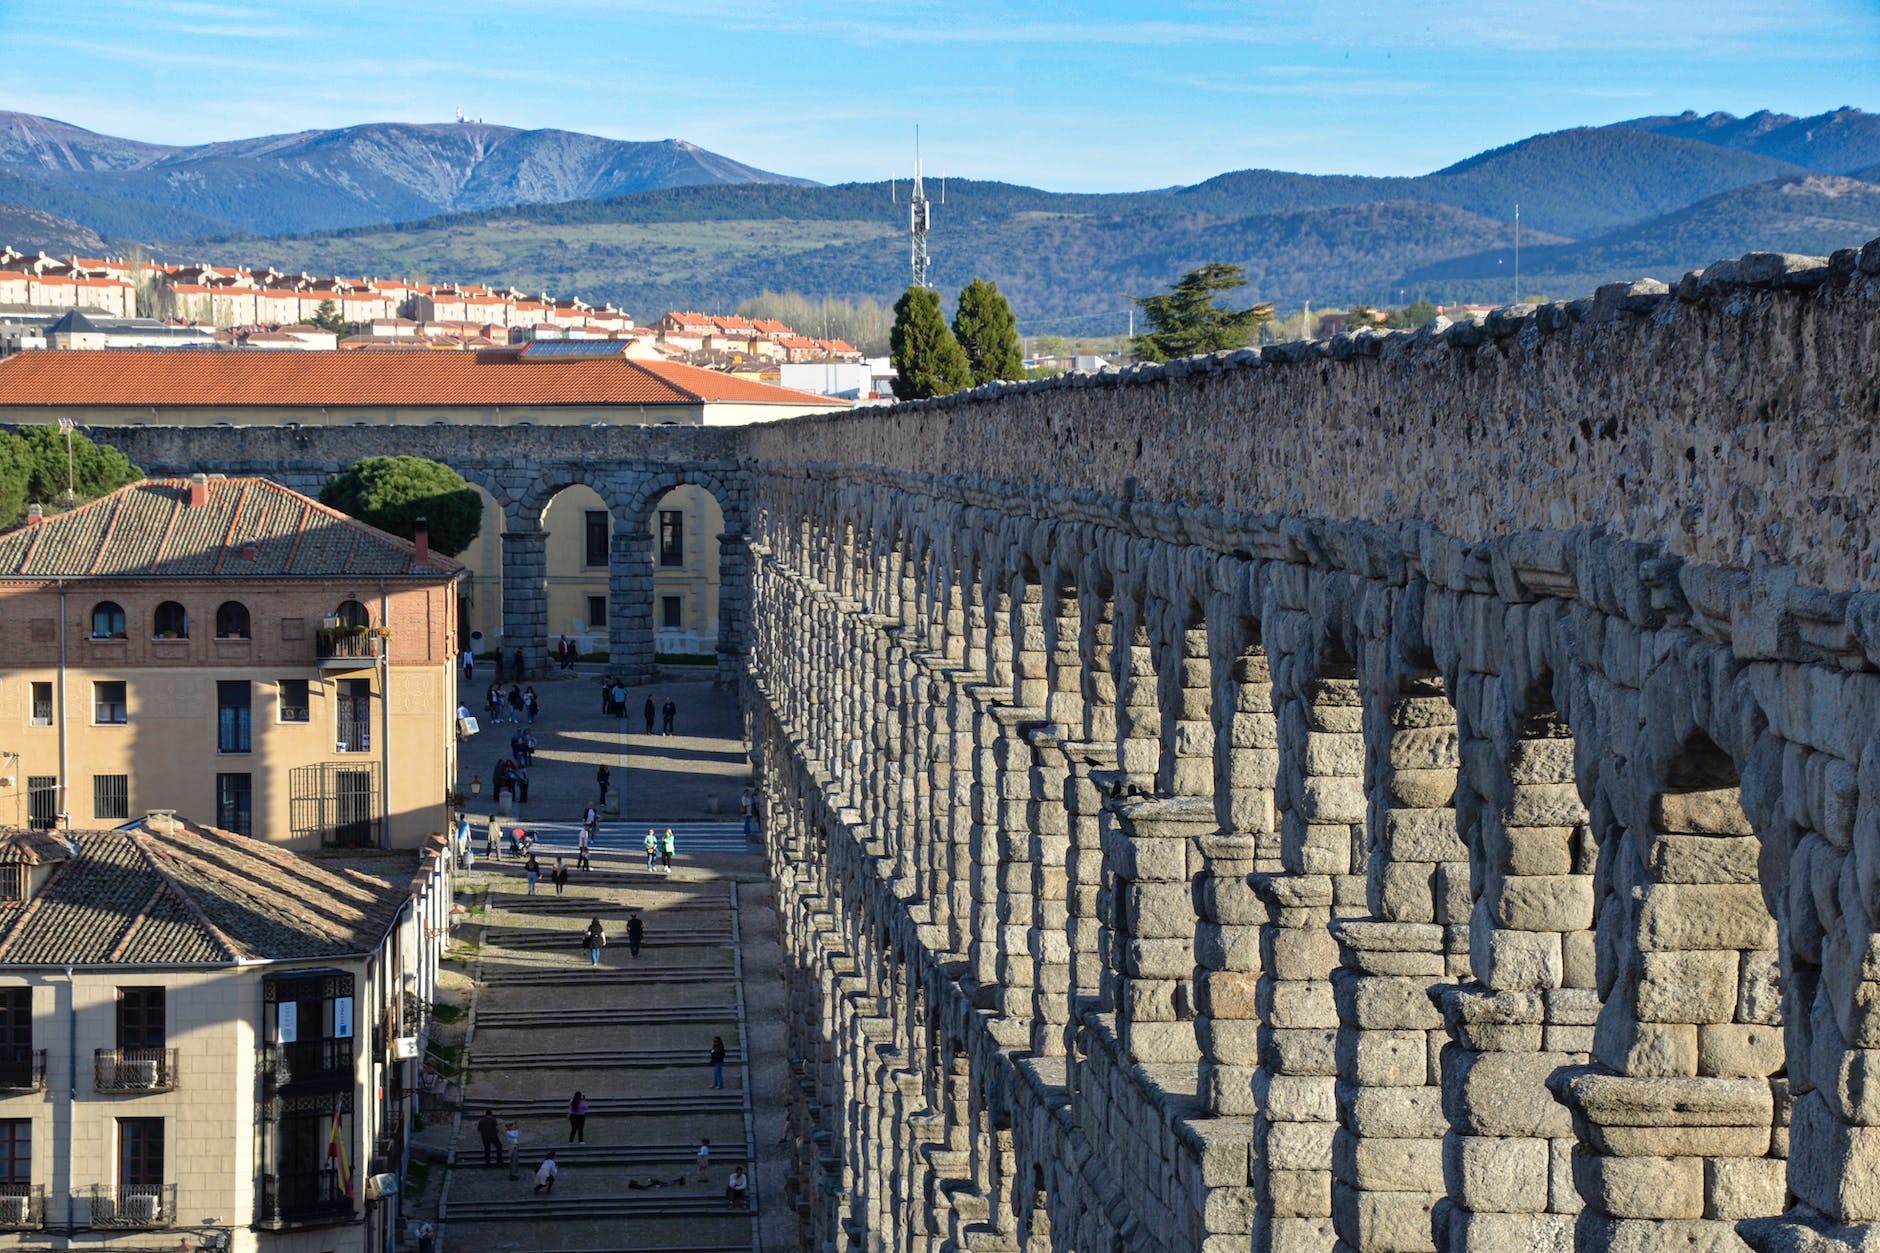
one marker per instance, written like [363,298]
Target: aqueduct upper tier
[1402,793]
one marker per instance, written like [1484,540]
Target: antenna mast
[919,218]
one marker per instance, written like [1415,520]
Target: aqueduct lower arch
[1394,795]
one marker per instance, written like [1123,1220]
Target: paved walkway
[634,1035]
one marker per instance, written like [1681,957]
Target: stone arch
[633,570]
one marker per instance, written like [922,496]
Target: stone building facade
[1411,791]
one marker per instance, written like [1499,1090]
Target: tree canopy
[391,493]
[327,317]
[33,470]
[1185,320]
[927,360]
[988,332]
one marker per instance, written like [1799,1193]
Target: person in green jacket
[667,847]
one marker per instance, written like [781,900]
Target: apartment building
[226,647]
[208,1041]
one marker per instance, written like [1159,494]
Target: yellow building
[209,1040]
[232,648]
[553,383]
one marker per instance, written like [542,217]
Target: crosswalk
[691,838]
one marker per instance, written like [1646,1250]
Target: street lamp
[476,785]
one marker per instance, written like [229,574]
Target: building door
[16,1038]
[354,733]
[352,800]
[42,801]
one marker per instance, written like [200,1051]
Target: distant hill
[1813,214]
[377,173]
[1841,142]
[34,230]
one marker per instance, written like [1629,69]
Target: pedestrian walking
[636,934]
[559,877]
[581,846]
[493,702]
[522,665]
[619,695]
[533,869]
[512,1141]
[747,807]
[469,662]
[704,1160]
[718,1061]
[595,939]
[567,653]
[515,704]
[531,704]
[650,711]
[492,1132]
[652,850]
[546,1172]
[668,845]
[603,776]
[522,786]
[668,712]
[492,839]
[577,1119]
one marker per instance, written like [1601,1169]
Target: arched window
[231,621]
[353,614]
[171,622]
[107,621]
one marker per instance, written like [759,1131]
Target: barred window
[110,796]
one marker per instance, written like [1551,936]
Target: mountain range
[652,226]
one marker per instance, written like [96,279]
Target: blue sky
[1093,96]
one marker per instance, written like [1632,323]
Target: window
[107,621]
[295,705]
[42,704]
[354,731]
[234,717]
[671,611]
[596,535]
[234,803]
[110,796]
[42,801]
[110,705]
[141,1019]
[140,1153]
[13,882]
[671,537]
[231,621]
[352,614]
[16,1038]
[597,611]
[171,622]
[16,1154]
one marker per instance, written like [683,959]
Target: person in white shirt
[545,1174]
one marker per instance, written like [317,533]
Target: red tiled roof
[334,380]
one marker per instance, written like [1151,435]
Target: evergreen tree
[393,492]
[1185,320]
[927,360]
[988,332]
[327,318]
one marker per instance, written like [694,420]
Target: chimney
[35,515]
[198,490]
[421,537]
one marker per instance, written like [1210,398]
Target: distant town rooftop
[332,380]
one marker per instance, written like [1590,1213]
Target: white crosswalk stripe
[691,837]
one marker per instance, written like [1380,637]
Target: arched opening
[684,528]
[352,615]
[107,621]
[170,621]
[232,622]
[480,593]
[579,561]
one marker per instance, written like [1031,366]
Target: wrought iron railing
[353,735]
[22,1070]
[22,1207]
[133,1205]
[296,1196]
[308,1061]
[344,645]
[136,1070]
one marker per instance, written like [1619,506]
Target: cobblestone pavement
[635,1034]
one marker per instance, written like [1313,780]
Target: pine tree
[327,318]
[1185,320]
[927,360]
[988,332]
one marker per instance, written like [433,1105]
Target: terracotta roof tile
[149,530]
[335,380]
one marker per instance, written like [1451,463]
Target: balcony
[136,1070]
[22,1207]
[24,1071]
[353,735]
[133,1205]
[294,1197]
[343,648]
[308,1064]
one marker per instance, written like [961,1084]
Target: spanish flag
[336,1152]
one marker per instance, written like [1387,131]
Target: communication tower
[919,216]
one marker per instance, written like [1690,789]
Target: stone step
[650,1205]
[709,1101]
[601,1059]
[550,937]
[603,1016]
[700,972]
[678,1156]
